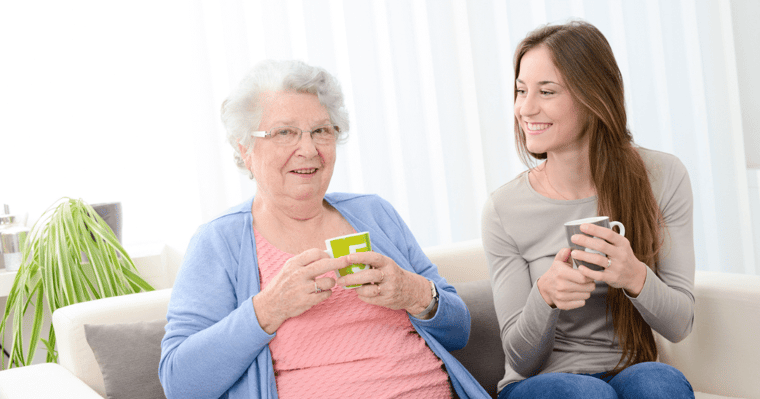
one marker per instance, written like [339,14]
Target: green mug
[349,244]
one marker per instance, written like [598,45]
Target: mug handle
[620,226]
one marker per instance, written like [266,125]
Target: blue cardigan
[214,346]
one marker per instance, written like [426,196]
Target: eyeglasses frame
[264,134]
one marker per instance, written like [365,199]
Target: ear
[244,151]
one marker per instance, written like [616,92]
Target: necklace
[550,183]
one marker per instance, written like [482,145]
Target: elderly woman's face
[299,171]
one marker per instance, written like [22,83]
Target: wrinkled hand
[292,291]
[564,287]
[388,285]
[624,271]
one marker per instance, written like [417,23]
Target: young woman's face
[549,116]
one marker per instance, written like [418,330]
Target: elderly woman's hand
[388,285]
[294,289]
[621,267]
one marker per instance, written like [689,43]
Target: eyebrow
[543,82]
[292,122]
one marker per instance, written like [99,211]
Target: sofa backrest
[719,357]
[460,262]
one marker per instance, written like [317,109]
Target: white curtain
[428,84]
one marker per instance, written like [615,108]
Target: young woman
[575,332]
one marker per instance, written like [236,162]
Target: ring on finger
[316,289]
[609,262]
[382,277]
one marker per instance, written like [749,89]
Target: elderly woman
[255,311]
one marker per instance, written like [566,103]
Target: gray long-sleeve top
[523,231]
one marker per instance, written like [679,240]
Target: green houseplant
[70,256]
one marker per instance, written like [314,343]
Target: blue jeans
[643,380]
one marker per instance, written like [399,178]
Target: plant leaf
[37,326]
[52,272]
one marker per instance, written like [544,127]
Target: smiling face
[301,171]
[549,116]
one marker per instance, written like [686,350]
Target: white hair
[243,108]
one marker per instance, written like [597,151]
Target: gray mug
[574,227]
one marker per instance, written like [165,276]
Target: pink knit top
[346,348]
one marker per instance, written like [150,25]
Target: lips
[310,171]
[536,127]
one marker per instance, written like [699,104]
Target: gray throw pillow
[483,355]
[128,356]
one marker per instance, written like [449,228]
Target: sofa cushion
[43,380]
[482,355]
[128,355]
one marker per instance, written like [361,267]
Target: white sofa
[721,357]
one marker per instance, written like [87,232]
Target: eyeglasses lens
[288,135]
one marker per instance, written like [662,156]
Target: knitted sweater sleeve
[526,321]
[212,335]
[666,301]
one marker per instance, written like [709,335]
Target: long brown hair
[585,60]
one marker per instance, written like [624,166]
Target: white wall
[104,117]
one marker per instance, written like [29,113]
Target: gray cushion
[128,356]
[483,355]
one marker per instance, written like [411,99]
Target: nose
[528,105]
[306,146]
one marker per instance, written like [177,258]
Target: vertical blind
[429,89]
[428,85]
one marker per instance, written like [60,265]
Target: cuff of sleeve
[647,291]
[250,314]
[441,309]
[538,306]
[433,302]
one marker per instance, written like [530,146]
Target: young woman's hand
[564,287]
[621,268]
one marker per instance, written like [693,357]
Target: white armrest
[74,352]
[721,354]
[46,380]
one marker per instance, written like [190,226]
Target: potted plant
[69,256]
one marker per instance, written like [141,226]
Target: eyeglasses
[289,135]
